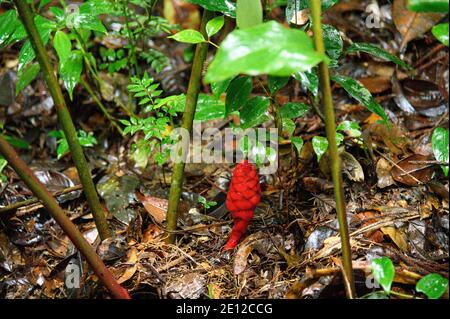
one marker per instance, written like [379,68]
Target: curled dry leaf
[132,265]
[412,25]
[157,207]
[397,236]
[413,170]
[384,173]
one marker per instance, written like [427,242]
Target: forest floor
[396,196]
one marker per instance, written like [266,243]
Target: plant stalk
[39,190]
[330,126]
[65,119]
[188,118]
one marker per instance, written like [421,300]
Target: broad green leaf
[218,88]
[309,80]
[432,285]
[70,71]
[267,48]
[361,94]
[428,5]
[351,128]
[249,13]
[439,143]
[238,93]
[227,7]
[320,146]
[293,5]
[297,142]
[288,126]
[28,75]
[209,108]
[440,31]
[96,7]
[62,45]
[8,25]
[254,112]
[276,83]
[293,110]
[188,36]
[383,271]
[377,52]
[43,3]
[17,142]
[26,54]
[214,25]
[333,43]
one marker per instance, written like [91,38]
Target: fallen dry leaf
[411,172]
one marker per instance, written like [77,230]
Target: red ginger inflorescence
[242,198]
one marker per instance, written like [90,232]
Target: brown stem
[65,119]
[39,190]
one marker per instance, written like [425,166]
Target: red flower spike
[242,198]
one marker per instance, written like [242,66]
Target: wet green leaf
[383,271]
[227,7]
[96,7]
[440,31]
[276,83]
[356,90]
[28,75]
[188,36]
[254,112]
[252,52]
[439,143]
[238,93]
[432,285]
[297,142]
[249,13]
[428,5]
[218,88]
[288,126]
[298,5]
[320,146]
[214,25]
[209,108]
[351,128]
[333,43]
[70,71]
[377,52]
[9,22]
[62,45]
[309,80]
[293,110]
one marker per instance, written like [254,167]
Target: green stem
[130,36]
[65,119]
[27,175]
[101,106]
[330,125]
[188,117]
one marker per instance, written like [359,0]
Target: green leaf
[298,5]
[43,3]
[310,80]
[238,93]
[432,285]
[8,25]
[209,108]
[218,88]
[214,25]
[351,128]
[439,143]
[361,94]
[383,271]
[288,126]
[188,36]
[428,5]
[440,31]
[376,52]
[26,54]
[28,75]
[293,110]
[253,51]
[227,7]
[96,7]
[254,112]
[249,13]
[70,71]
[297,142]
[276,83]
[333,43]
[320,146]
[17,142]
[62,45]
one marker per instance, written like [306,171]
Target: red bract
[242,198]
